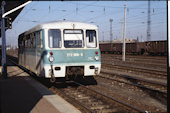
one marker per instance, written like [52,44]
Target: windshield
[73,38]
[54,37]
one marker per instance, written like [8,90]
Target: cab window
[54,38]
[91,38]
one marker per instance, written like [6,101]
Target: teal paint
[73,56]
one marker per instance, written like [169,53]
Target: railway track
[136,70]
[162,67]
[93,101]
[136,78]
[156,88]
[141,59]
[161,71]
[138,56]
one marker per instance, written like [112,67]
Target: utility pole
[111,20]
[124,34]
[149,23]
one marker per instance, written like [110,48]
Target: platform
[20,93]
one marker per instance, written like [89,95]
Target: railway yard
[137,85]
[84,57]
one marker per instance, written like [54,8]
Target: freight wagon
[156,47]
[148,47]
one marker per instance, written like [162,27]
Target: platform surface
[20,93]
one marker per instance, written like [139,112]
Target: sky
[98,13]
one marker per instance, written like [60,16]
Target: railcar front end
[71,53]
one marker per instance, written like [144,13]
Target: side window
[33,40]
[37,34]
[41,40]
[38,39]
[54,38]
[91,38]
[27,41]
[26,45]
[23,42]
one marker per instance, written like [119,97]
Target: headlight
[96,58]
[51,59]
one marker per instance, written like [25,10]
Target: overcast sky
[98,13]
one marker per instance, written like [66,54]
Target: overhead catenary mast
[111,20]
[149,23]
[124,34]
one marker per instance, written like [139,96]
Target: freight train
[61,50]
[140,48]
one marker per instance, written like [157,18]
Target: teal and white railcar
[61,49]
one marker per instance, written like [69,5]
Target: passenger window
[23,46]
[91,38]
[39,39]
[25,43]
[28,43]
[54,37]
[31,40]
[34,44]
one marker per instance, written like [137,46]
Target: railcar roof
[63,25]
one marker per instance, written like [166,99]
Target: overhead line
[27,10]
[116,7]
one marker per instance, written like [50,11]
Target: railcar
[61,49]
